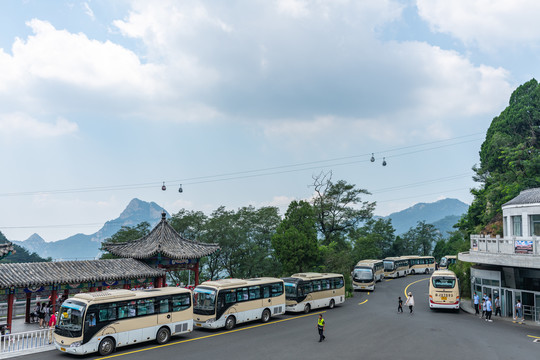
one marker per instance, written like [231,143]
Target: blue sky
[243,102]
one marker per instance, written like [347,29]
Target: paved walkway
[467,307]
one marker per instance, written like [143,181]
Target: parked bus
[227,302]
[104,320]
[420,264]
[395,267]
[444,290]
[447,260]
[308,291]
[366,273]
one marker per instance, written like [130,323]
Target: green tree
[373,240]
[125,234]
[190,224]
[338,208]
[295,241]
[426,235]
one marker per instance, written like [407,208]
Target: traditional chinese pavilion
[6,249]
[164,248]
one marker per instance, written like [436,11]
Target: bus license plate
[443,298]
[197,324]
[63,349]
[362,287]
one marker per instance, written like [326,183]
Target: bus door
[267,296]
[164,310]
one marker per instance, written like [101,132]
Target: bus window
[254,292]
[266,292]
[163,305]
[277,289]
[443,282]
[180,302]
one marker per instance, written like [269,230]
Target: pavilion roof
[5,249]
[73,272]
[164,240]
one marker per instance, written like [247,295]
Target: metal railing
[512,245]
[26,340]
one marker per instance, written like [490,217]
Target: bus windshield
[363,274]
[388,265]
[291,290]
[204,301]
[70,318]
[444,282]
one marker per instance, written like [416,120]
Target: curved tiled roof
[6,249]
[164,240]
[73,272]
[529,196]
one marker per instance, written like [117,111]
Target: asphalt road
[366,326]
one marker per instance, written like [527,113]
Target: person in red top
[52,324]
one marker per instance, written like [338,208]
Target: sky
[243,103]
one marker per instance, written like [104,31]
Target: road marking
[209,336]
[534,337]
[389,280]
[414,282]
[368,292]
[363,302]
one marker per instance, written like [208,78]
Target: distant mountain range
[443,214]
[82,246]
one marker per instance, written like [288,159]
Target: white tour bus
[104,320]
[306,291]
[444,290]
[395,267]
[446,261]
[227,302]
[420,264]
[366,273]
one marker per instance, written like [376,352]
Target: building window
[516,225]
[505,227]
[534,225]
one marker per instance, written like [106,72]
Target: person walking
[320,327]
[476,300]
[483,308]
[489,309]
[400,305]
[497,306]
[410,302]
[41,316]
[52,324]
[518,310]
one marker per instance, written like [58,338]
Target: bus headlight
[75,344]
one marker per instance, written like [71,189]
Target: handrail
[25,340]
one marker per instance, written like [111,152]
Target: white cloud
[294,8]
[22,126]
[487,24]
[88,11]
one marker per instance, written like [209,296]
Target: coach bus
[227,302]
[395,267]
[447,260]
[420,264]
[105,320]
[366,273]
[444,290]
[306,291]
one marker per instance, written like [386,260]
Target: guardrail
[25,341]
[512,245]
[19,307]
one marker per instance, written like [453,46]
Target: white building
[509,267]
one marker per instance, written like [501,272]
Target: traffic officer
[320,327]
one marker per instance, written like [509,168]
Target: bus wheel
[427,271]
[163,335]
[307,309]
[106,346]
[332,304]
[265,315]
[229,324]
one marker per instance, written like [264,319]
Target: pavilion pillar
[66,294]
[164,281]
[127,286]
[157,282]
[197,274]
[10,301]
[54,295]
[27,308]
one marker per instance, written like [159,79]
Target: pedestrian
[41,315]
[400,305]
[518,310]
[489,309]
[320,327]
[52,324]
[410,302]
[483,308]
[476,303]
[497,306]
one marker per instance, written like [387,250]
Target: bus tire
[427,271]
[230,323]
[307,309]
[265,315]
[106,346]
[332,304]
[163,336]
